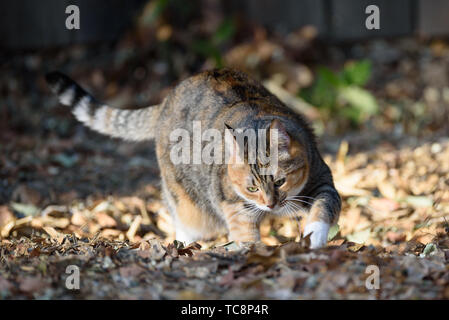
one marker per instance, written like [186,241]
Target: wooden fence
[40,23]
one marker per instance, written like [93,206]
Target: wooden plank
[284,16]
[433,17]
[36,24]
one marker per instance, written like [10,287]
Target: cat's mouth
[278,209]
[268,209]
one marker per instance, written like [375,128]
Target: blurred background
[378,101]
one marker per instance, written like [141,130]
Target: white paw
[183,236]
[319,231]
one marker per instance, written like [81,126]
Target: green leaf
[333,231]
[206,49]
[357,73]
[352,114]
[430,247]
[360,99]
[341,94]
[224,32]
[329,76]
[360,236]
[322,93]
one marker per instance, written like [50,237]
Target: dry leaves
[72,197]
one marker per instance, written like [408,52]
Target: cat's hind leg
[181,233]
[190,222]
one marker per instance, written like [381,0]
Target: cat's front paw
[318,231]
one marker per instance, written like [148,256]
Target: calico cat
[206,200]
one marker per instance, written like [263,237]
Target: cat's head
[270,192]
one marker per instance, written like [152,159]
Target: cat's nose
[271,206]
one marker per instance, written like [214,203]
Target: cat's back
[222,86]
[216,96]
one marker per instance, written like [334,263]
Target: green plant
[342,93]
[210,48]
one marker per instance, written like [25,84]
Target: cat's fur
[206,200]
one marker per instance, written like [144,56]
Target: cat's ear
[283,138]
[287,147]
[233,154]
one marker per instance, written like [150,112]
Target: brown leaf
[131,271]
[151,249]
[5,285]
[59,237]
[265,261]
[395,237]
[384,204]
[189,248]
[133,228]
[337,242]
[5,216]
[228,278]
[110,233]
[105,220]
[355,247]
[31,284]
[78,219]
[36,252]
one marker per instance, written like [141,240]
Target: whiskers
[300,199]
[250,209]
[291,208]
[253,209]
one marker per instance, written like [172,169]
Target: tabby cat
[206,200]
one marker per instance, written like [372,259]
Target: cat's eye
[279,182]
[252,189]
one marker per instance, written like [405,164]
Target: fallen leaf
[105,220]
[395,237]
[418,201]
[360,236]
[6,216]
[131,271]
[25,209]
[31,284]
[333,231]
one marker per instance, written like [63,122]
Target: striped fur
[206,200]
[134,125]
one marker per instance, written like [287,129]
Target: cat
[206,200]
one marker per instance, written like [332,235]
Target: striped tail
[134,125]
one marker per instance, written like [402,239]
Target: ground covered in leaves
[69,196]
[123,248]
